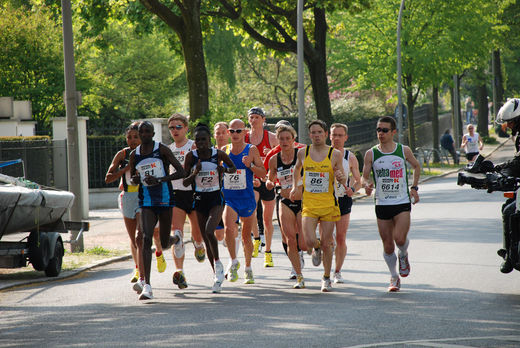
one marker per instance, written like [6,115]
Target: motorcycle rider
[509,113]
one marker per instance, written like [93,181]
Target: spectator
[448,144]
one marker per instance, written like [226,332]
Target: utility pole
[302,124]
[400,122]
[72,122]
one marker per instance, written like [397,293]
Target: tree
[31,61]
[273,25]
[439,39]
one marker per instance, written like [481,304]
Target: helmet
[509,111]
[256,111]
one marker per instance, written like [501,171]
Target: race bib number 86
[316,182]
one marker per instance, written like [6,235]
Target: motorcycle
[492,181]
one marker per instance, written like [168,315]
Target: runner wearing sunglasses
[387,162]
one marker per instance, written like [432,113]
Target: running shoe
[179,279]
[138,286]
[200,252]
[219,272]
[135,277]
[338,279]
[395,284]
[404,265]
[178,247]
[300,284]
[316,256]
[161,263]
[268,259]
[146,294]
[256,247]
[232,272]
[326,285]
[293,274]
[302,260]
[217,287]
[248,275]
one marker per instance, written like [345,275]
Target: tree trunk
[317,65]
[483,110]
[498,81]
[196,75]
[188,29]
[435,122]
[410,103]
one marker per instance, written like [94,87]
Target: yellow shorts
[322,214]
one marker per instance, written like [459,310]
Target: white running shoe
[138,286]
[147,293]
[217,287]
[326,285]
[219,272]
[316,257]
[178,247]
[302,260]
[338,279]
[293,274]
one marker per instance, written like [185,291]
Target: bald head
[237,123]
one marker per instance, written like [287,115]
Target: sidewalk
[107,228]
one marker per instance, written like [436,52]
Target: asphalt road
[455,295]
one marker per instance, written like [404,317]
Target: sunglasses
[238,131]
[384,130]
[178,127]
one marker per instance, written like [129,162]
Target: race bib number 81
[150,166]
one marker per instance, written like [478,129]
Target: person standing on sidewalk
[181,146]
[448,144]
[321,164]
[264,142]
[204,166]
[240,197]
[387,161]
[149,164]
[338,138]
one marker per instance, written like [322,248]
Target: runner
[206,171]
[264,141]
[387,161]
[178,126]
[320,164]
[240,199]
[281,167]
[221,135]
[338,138]
[149,163]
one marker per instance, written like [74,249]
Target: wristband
[416,188]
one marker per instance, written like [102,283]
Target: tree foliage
[31,60]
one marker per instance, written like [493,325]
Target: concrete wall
[103,198]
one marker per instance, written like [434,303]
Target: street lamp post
[399,73]
[302,126]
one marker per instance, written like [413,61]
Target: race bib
[340,190]
[285,177]
[316,182]
[207,181]
[150,166]
[180,156]
[389,187]
[236,180]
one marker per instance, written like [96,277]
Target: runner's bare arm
[337,166]
[354,169]
[296,192]
[270,183]
[256,164]
[113,173]
[223,157]
[367,168]
[188,164]
[135,177]
[410,158]
[170,159]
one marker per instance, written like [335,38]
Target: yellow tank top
[318,182]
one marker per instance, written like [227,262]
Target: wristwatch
[416,188]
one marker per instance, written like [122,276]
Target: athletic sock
[391,261]
[157,254]
[248,268]
[234,261]
[404,248]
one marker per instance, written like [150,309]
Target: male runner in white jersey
[321,164]
[178,126]
[388,160]
[338,138]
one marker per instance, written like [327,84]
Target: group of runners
[221,188]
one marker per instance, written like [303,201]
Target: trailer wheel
[54,267]
[39,250]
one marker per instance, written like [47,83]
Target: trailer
[37,213]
